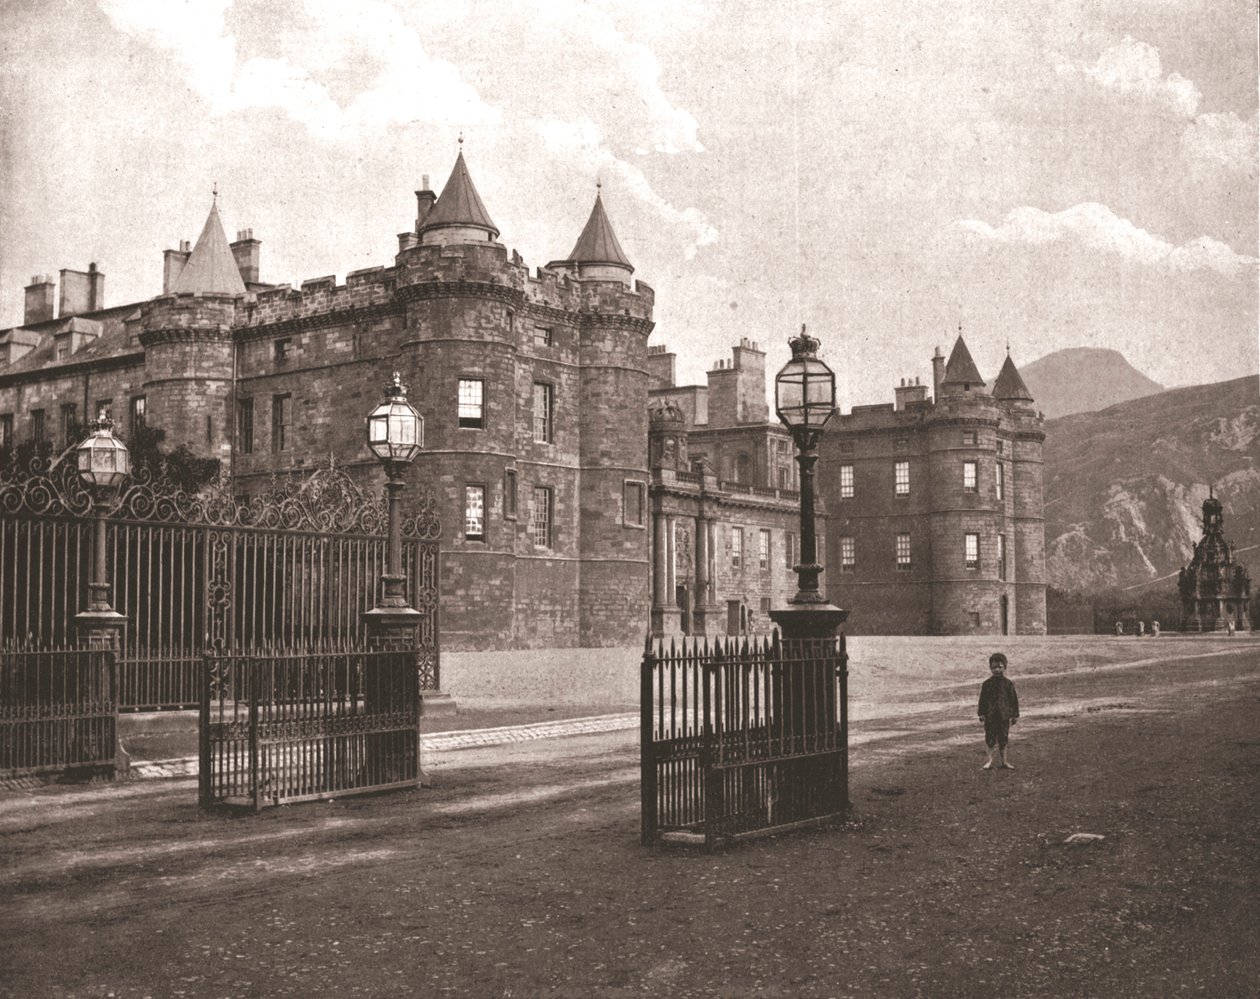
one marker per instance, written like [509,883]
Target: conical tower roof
[1009,384]
[598,243]
[960,369]
[459,205]
[211,268]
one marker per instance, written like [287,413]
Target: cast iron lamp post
[103,463]
[804,400]
[395,433]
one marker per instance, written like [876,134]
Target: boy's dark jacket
[998,699]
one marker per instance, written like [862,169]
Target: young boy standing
[999,710]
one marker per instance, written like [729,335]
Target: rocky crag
[1124,486]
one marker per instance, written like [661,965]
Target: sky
[1042,174]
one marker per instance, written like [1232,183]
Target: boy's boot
[988,760]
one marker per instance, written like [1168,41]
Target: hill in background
[1124,487]
[1083,380]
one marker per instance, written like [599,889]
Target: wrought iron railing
[742,737]
[58,711]
[307,723]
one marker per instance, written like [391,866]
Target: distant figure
[1119,627]
[998,710]
[1141,629]
[1154,629]
[1229,627]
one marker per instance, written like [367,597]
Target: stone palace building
[584,497]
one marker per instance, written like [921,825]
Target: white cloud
[1097,227]
[1223,138]
[408,85]
[582,144]
[1133,68]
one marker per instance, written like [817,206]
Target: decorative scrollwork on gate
[326,502]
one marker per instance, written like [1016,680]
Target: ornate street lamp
[103,463]
[395,433]
[805,399]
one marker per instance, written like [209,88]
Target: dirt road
[520,873]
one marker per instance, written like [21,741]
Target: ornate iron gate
[307,723]
[206,571]
[743,738]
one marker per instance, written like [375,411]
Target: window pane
[789,549]
[633,500]
[245,425]
[846,481]
[542,412]
[280,416]
[763,551]
[471,402]
[903,551]
[474,512]
[737,546]
[848,555]
[971,546]
[901,477]
[969,476]
[1000,480]
[541,523]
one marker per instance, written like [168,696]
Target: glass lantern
[805,388]
[102,459]
[395,430]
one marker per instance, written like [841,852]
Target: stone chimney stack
[81,291]
[246,251]
[40,300]
[938,373]
[425,200]
[908,392]
[172,263]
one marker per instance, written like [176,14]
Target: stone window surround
[471,403]
[763,548]
[542,518]
[281,421]
[737,547]
[474,511]
[848,553]
[846,482]
[509,494]
[901,478]
[971,476]
[903,551]
[245,425]
[999,480]
[971,550]
[634,497]
[544,424]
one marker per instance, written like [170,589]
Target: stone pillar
[703,607]
[666,617]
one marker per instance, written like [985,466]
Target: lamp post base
[100,629]
[808,620]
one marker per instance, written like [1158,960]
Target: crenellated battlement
[188,312]
[318,296]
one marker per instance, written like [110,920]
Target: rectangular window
[1001,446]
[509,494]
[969,477]
[105,407]
[245,426]
[63,349]
[903,551]
[901,478]
[969,438]
[283,350]
[789,549]
[69,423]
[848,555]
[1001,556]
[763,549]
[971,551]
[542,336]
[474,513]
[999,480]
[540,526]
[846,482]
[472,392]
[6,430]
[136,415]
[37,424]
[974,618]
[737,547]
[544,400]
[281,418]
[633,504]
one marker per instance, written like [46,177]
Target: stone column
[701,611]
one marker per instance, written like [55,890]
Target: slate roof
[598,243]
[459,204]
[960,369]
[1009,384]
[211,268]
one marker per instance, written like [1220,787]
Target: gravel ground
[520,873]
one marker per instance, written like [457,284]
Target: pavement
[480,738]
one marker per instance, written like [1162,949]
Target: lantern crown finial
[804,345]
[396,389]
[102,423]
